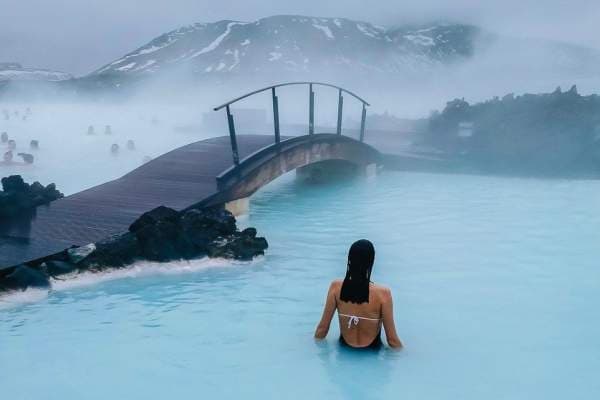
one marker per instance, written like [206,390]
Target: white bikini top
[353,319]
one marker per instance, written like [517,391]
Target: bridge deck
[177,179]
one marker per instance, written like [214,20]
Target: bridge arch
[240,181]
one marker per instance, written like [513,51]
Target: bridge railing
[311,112]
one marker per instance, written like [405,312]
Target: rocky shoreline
[161,235]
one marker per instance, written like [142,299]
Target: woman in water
[362,306]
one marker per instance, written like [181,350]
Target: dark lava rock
[203,226]
[56,268]
[163,241]
[18,196]
[116,252]
[77,254]
[161,213]
[162,234]
[24,277]
[241,246]
[14,183]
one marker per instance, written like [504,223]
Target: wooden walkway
[177,179]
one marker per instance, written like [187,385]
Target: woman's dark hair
[355,288]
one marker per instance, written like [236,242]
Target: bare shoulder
[336,284]
[383,292]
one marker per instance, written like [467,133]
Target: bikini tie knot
[353,319]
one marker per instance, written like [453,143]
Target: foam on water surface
[137,270]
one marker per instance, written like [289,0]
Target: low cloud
[77,36]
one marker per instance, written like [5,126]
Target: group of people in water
[11,145]
[114,148]
[363,307]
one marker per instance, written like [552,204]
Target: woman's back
[360,324]
[361,305]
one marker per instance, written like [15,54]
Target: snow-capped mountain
[296,44]
[16,72]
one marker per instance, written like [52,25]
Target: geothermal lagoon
[495,284]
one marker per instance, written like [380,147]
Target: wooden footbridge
[215,171]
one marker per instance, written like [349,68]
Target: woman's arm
[387,310]
[328,312]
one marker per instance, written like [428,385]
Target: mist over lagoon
[463,141]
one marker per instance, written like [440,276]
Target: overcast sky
[78,36]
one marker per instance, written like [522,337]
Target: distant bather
[8,156]
[27,158]
[130,145]
[34,145]
[107,130]
[12,144]
[90,130]
[114,149]
[4,137]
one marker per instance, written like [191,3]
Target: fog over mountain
[419,66]
[300,45]
[78,36]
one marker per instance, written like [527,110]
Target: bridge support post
[276,116]
[238,207]
[311,110]
[340,110]
[234,147]
[363,121]
[371,171]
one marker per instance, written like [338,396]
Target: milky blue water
[496,285]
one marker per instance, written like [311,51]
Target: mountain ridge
[295,43]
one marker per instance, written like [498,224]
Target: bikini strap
[353,319]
